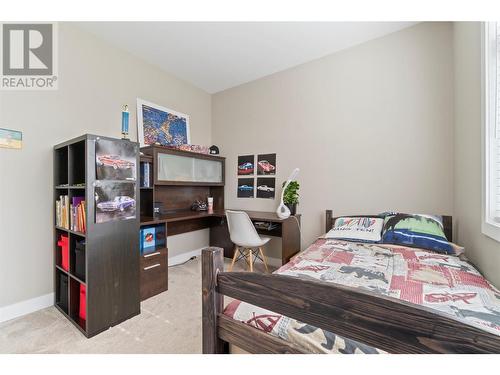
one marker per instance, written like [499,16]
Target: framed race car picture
[266,165]
[114,201]
[115,160]
[245,188]
[246,165]
[266,187]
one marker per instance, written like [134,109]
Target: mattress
[441,282]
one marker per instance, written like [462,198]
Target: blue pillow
[423,231]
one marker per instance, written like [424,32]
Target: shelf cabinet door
[207,170]
[186,169]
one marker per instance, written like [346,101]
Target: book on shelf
[62,211]
[78,217]
[145,174]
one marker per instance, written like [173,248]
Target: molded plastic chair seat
[244,235]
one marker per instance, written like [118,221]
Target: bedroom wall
[96,79]
[370,127]
[483,251]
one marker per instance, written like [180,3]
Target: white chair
[245,237]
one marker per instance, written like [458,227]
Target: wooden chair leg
[236,252]
[263,258]
[250,260]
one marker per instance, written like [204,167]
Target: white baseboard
[26,307]
[181,258]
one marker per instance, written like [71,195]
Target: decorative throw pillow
[360,228]
[423,231]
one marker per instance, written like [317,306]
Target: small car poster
[114,201]
[266,187]
[266,165]
[246,165]
[245,188]
[115,160]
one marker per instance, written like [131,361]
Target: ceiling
[215,56]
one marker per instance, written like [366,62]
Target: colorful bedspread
[441,282]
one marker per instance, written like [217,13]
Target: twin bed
[340,296]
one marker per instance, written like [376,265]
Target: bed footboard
[385,323]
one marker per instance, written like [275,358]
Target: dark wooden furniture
[187,221]
[154,267]
[288,229]
[386,323]
[111,257]
[179,178]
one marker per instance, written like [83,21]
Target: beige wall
[95,81]
[482,250]
[370,127]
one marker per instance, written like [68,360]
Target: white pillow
[367,229]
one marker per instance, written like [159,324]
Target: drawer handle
[152,254]
[153,266]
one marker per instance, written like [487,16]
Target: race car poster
[266,164]
[246,165]
[266,187]
[115,160]
[114,201]
[245,188]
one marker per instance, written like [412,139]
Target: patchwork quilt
[439,281]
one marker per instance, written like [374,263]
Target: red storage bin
[83,293]
[63,243]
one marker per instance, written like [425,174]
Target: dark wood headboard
[447,224]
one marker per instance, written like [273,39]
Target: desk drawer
[154,274]
[150,259]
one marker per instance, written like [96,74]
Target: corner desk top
[191,215]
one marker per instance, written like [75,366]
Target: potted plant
[291,196]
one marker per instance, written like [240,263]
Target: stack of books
[78,217]
[62,212]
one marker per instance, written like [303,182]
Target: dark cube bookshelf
[110,269]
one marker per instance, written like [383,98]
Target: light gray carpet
[169,323]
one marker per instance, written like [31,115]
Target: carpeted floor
[169,323]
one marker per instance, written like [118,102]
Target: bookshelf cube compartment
[62,249]
[77,257]
[61,166]
[78,304]
[77,163]
[78,208]
[62,292]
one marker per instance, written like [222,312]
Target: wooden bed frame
[383,322]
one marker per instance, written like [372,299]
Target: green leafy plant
[291,195]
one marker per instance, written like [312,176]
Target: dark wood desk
[187,221]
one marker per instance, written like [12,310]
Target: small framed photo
[11,138]
[245,188]
[266,187]
[246,165]
[266,165]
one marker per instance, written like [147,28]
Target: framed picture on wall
[246,165]
[266,187]
[266,164]
[160,125]
[245,188]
